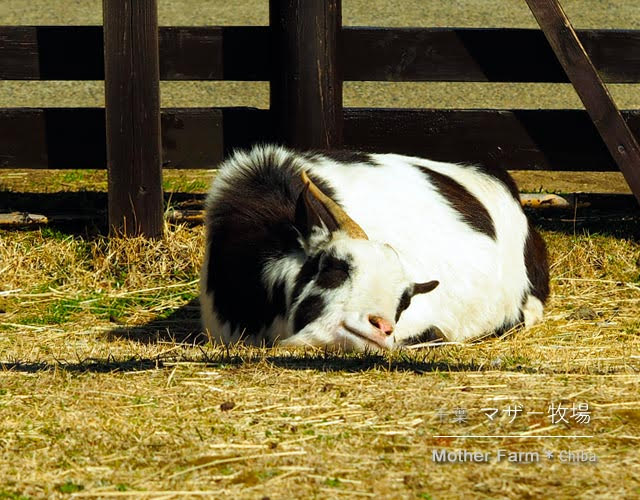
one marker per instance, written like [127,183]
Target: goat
[365,251]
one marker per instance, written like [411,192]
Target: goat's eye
[332,262]
[333,272]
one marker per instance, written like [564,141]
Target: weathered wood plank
[511,139]
[52,138]
[242,53]
[306,84]
[594,95]
[132,96]
[69,138]
[201,137]
[479,55]
[448,55]
[239,53]
[51,53]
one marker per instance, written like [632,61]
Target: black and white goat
[365,251]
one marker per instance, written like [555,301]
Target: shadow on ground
[607,214]
[92,365]
[620,223]
[323,362]
[182,328]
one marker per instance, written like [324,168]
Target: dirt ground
[107,389]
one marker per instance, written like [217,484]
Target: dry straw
[106,390]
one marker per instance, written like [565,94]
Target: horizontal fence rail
[200,137]
[375,54]
[480,55]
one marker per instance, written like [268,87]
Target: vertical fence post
[132,94]
[306,83]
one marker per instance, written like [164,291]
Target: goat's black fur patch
[333,272]
[431,334]
[405,302]
[537,264]
[252,221]
[279,299]
[472,211]
[308,311]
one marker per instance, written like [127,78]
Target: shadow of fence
[85,212]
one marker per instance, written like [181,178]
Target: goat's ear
[310,212]
[419,288]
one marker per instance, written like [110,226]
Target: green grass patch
[72,176]
[6,495]
[180,185]
[104,306]
[334,482]
[69,487]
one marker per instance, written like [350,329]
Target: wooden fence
[305,54]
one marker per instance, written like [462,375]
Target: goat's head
[351,290]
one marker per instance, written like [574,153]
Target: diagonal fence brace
[594,95]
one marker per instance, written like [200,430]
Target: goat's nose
[381,324]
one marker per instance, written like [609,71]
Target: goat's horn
[343,221]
